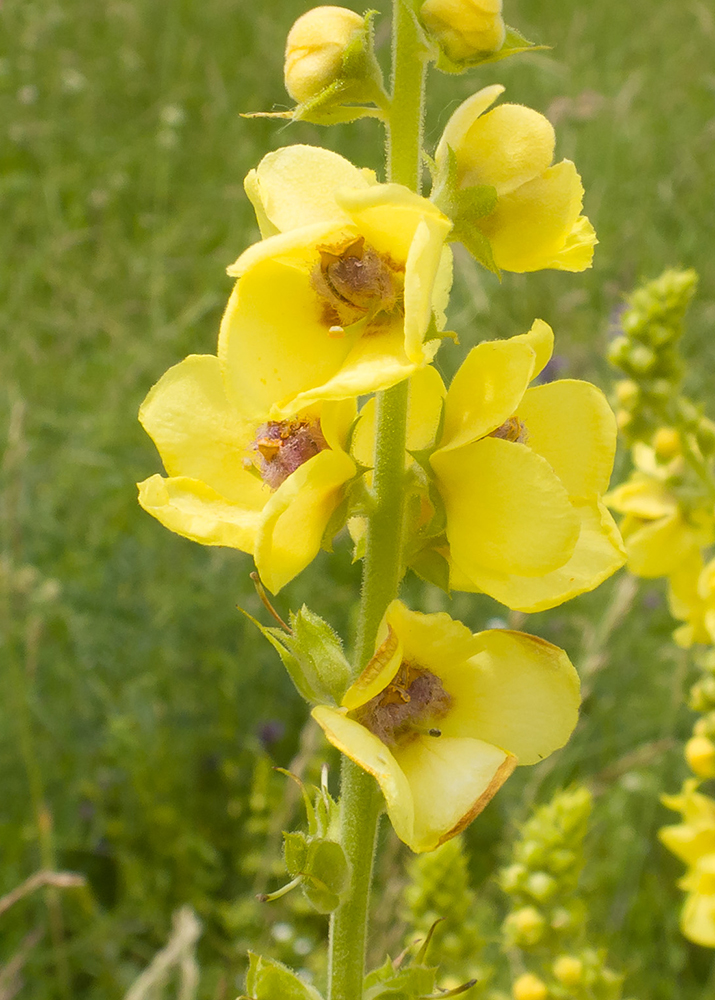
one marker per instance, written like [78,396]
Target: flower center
[409,706]
[512,430]
[282,446]
[354,281]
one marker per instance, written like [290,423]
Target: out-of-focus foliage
[140,714]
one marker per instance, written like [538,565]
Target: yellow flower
[262,486]
[529,987]
[338,297]
[691,596]
[315,47]
[464,28]
[659,534]
[441,717]
[693,841]
[537,221]
[520,472]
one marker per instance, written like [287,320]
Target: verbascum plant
[489,485]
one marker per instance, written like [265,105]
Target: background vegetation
[139,712]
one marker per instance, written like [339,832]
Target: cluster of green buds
[439,890]
[547,923]
[650,403]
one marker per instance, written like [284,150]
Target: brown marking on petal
[504,770]
[406,707]
[355,281]
[511,430]
[282,446]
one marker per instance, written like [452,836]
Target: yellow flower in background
[520,472]
[659,534]
[691,596]
[464,28]
[693,841]
[338,297]
[265,487]
[537,221]
[315,47]
[441,718]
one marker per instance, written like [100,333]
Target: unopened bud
[529,987]
[568,970]
[541,886]
[315,47]
[666,443]
[464,28]
[627,393]
[525,927]
[700,756]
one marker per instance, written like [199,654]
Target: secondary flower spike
[442,717]
[337,299]
[263,486]
[537,221]
[518,472]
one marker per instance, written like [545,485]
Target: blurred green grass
[121,164]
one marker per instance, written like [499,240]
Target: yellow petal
[461,121]
[577,252]
[506,148]
[572,426]
[377,674]
[540,338]
[296,248]
[295,186]
[657,547]
[486,391]
[388,216]
[683,596]
[530,226]
[294,520]
[515,691]
[689,843]
[643,497]
[431,640]
[424,261]
[697,921]
[194,510]
[198,432]
[599,552]
[373,756]
[442,287]
[336,419]
[507,512]
[451,781]
[274,341]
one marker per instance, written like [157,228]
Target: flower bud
[525,927]
[529,987]
[568,970]
[666,443]
[627,393]
[464,28]
[541,886]
[315,47]
[700,755]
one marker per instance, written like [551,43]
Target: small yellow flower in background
[700,756]
[537,221]
[442,717]
[464,28]
[262,486]
[529,987]
[338,297]
[315,47]
[659,534]
[519,470]
[568,969]
[691,595]
[693,841]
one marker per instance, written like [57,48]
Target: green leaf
[409,983]
[271,980]
[295,852]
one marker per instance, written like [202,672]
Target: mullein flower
[315,48]
[338,297]
[536,222]
[691,596]
[442,717]
[659,533]
[693,841]
[519,472]
[464,28]
[266,487]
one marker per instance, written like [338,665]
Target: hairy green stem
[360,801]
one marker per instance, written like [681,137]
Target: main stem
[360,801]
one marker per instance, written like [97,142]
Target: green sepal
[312,653]
[295,852]
[431,566]
[464,206]
[326,875]
[514,44]
[389,983]
[270,980]
[358,501]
